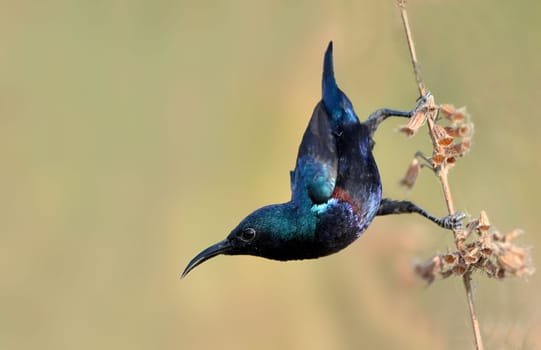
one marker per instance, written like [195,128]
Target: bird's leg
[389,206]
[380,115]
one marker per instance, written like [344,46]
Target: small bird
[336,188]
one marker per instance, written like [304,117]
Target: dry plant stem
[411,46]
[441,172]
[466,278]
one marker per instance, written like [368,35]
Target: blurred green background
[133,134]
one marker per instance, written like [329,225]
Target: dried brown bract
[442,137]
[455,115]
[411,174]
[483,223]
[447,110]
[430,269]
[414,123]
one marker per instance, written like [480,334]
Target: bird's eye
[246,234]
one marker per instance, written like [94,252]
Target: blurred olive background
[133,134]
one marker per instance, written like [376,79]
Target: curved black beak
[216,249]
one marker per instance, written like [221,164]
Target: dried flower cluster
[490,252]
[450,141]
[454,140]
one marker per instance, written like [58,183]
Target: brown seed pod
[414,123]
[411,174]
[447,110]
[484,223]
[438,159]
[450,258]
[441,136]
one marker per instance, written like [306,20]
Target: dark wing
[317,160]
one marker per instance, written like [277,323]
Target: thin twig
[471,305]
[441,171]
[411,46]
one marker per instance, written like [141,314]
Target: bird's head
[266,232]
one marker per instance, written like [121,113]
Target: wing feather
[317,160]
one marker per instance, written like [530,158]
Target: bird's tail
[337,103]
[331,93]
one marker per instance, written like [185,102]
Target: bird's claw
[424,98]
[423,101]
[454,222]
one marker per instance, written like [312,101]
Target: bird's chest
[358,182]
[340,222]
[337,226]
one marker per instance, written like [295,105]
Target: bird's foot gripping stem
[452,222]
[380,115]
[422,101]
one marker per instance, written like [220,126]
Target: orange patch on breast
[343,195]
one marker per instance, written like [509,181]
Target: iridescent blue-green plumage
[336,188]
